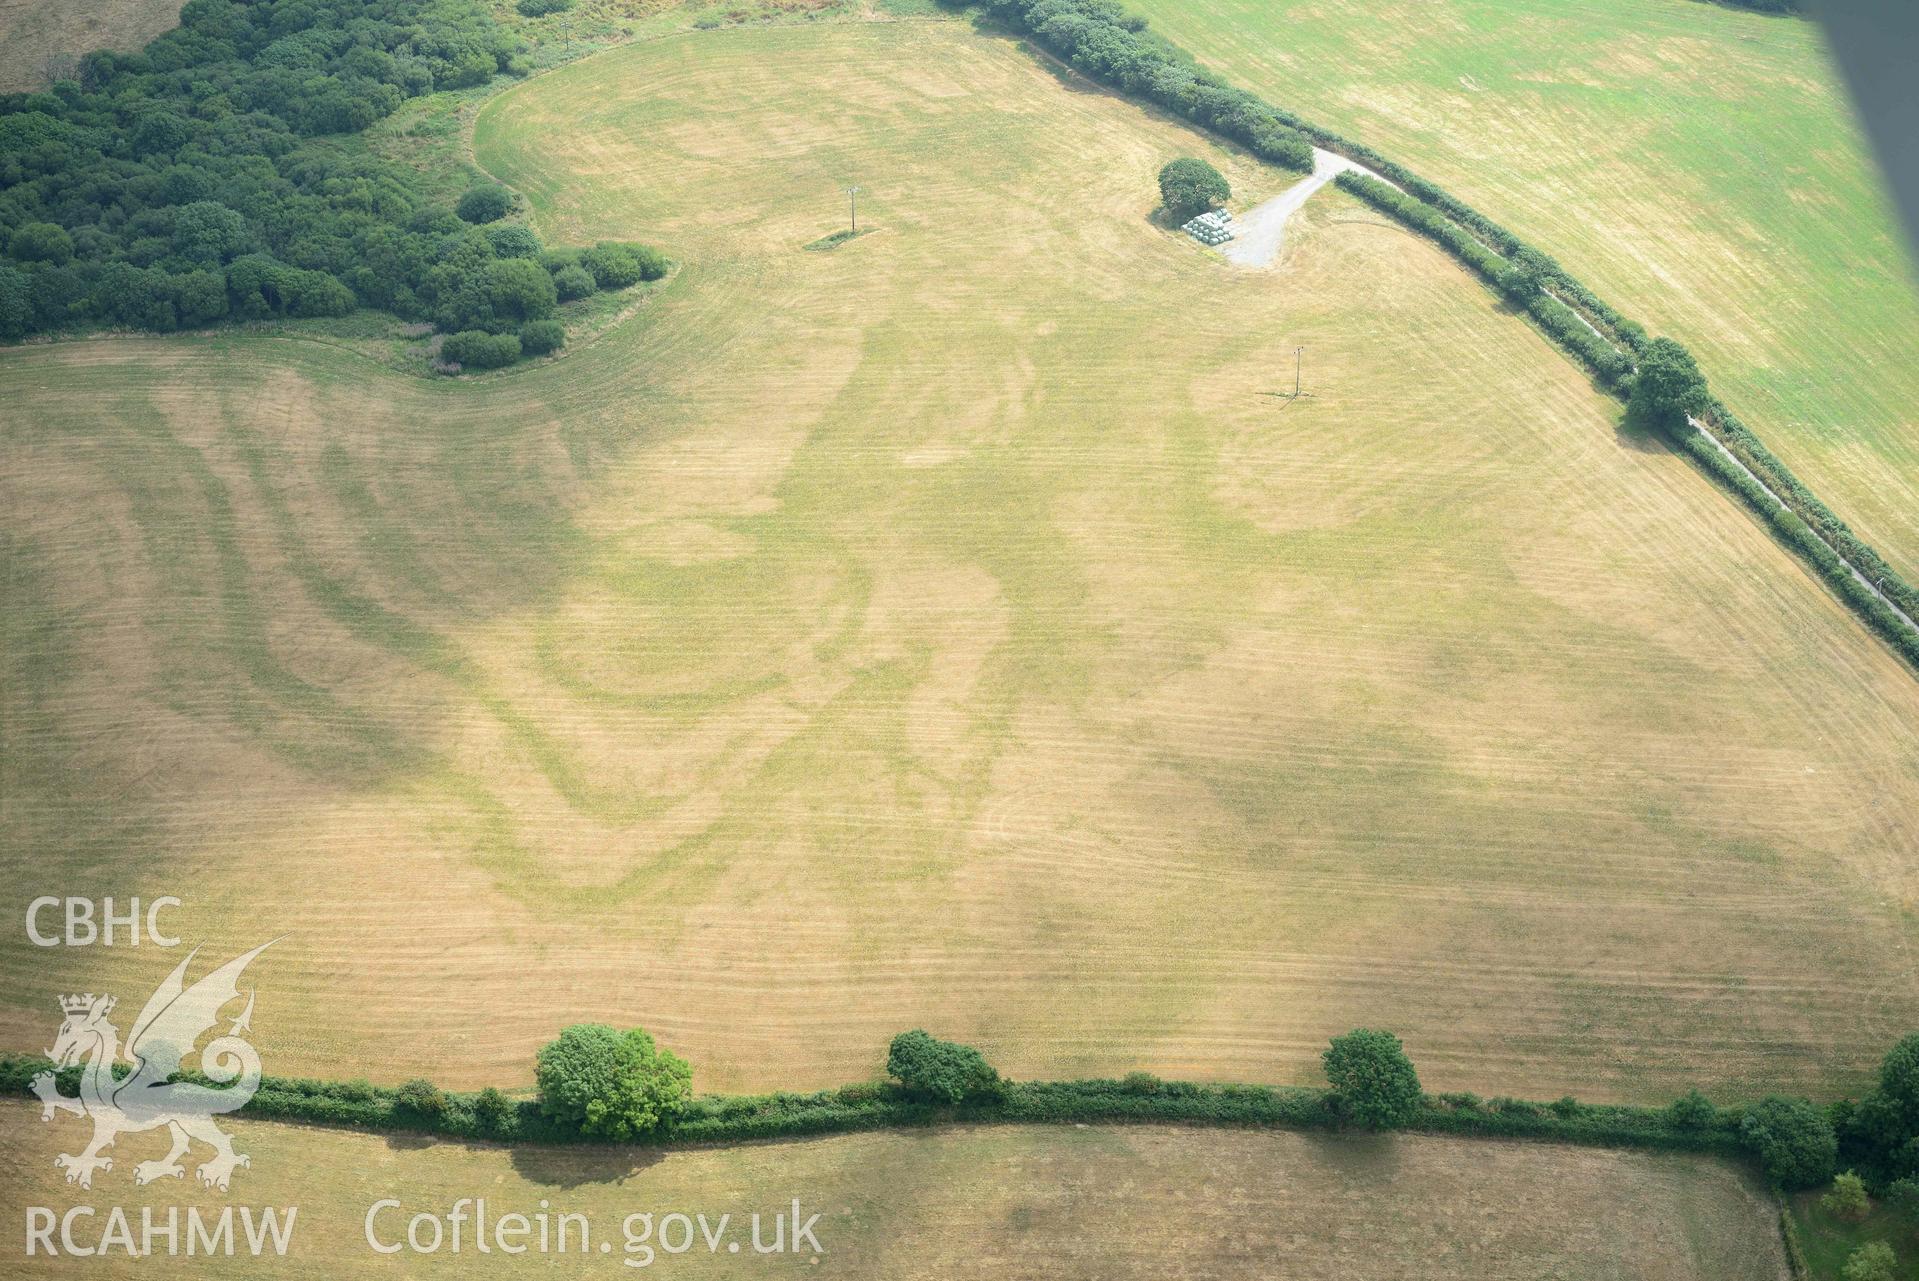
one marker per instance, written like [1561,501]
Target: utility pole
[1299,359]
[853,207]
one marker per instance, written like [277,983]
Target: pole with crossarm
[853,207]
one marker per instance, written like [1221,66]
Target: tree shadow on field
[1361,1157]
[402,1142]
[569,1167]
[1641,437]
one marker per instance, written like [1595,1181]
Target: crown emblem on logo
[81,1004]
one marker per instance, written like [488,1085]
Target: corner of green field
[1828,1241]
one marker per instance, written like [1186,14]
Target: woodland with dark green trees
[202,180]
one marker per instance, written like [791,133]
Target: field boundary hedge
[1798,518]
[1101,40]
[1138,1099]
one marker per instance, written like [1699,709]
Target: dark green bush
[513,241]
[40,242]
[421,1100]
[615,266]
[492,1112]
[484,202]
[538,337]
[940,1071]
[540,8]
[1793,1140]
[1374,1083]
[517,289]
[477,349]
[1189,186]
[16,304]
[1691,1111]
[614,1085]
[573,282]
[1902,1195]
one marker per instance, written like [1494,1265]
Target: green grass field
[990,1202]
[952,629]
[1699,166]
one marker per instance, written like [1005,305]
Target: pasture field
[32,31]
[1698,166]
[986,1202]
[951,629]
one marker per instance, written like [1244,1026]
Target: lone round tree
[941,1071]
[1373,1081]
[1189,186]
[613,1085]
[1667,387]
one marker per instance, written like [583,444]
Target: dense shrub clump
[492,1112]
[1189,186]
[612,1085]
[1880,1133]
[1374,1083]
[941,1071]
[485,202]
[194,182]
[477,349]
[614,265]
[1793,1140]
[538,337]
[420,1099]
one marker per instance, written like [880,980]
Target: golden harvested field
[32,31]
[951,629]
[987,1202]
[1698,165]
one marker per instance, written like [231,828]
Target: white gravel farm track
[1261,229]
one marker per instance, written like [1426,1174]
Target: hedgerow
[884,1105]
[1112,46]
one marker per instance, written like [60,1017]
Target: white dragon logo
[173,1020]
